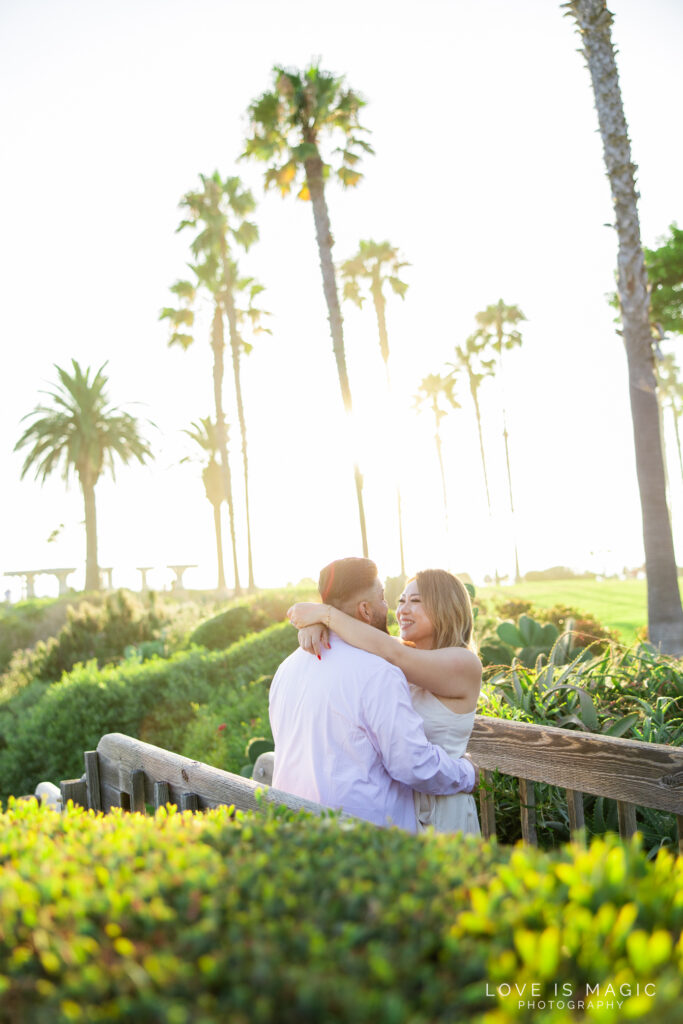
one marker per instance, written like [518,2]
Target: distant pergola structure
[29,578]
[179,571]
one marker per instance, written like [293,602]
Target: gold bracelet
[326,620]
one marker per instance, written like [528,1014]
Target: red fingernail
[319,658]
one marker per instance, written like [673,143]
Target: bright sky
[488,175]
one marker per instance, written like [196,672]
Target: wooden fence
[131,774]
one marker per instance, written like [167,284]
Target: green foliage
[255,747]
[156,701]
[106,633]
[528,638]
[285,918]
[621,605]
[290,123]
[557,572]
[665,274]
[635,694]
[531,637]
[248,616]
[227,627]
[25,623]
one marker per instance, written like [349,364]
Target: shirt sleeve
[397,733]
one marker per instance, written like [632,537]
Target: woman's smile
[413,622]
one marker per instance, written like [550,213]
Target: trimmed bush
[154,701]
[249,616]
[185,919]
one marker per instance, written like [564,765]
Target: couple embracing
[373,725]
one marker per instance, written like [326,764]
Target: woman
[437,657]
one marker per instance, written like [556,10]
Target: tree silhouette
[469,358]
[435,391]
[499,333]
[289,125]
[205,436]
[218,212]
[209,278]
[670,392]
[82,433]
[665,615]
[374,265]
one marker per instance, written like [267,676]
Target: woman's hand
[307,613]
[313,639]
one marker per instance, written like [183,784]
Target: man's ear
[364,612]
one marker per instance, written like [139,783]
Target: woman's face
[413,622]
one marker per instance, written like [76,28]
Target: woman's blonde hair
[448,606]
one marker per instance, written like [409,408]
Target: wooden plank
[679,825]
[212,786]
[627,819]
[487,807]
[162,795]
[124,789]
[189,802]
[137,795]
[577,819]
[76,790]
[527,804]
[92,778]
[649,774]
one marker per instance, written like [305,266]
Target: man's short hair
[345,579]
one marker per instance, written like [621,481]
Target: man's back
[347,736]
[324,715]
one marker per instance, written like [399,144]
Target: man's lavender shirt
[347,736]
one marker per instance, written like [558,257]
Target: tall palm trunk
[665,615]
[323,233]
[437,440]
[92,572]
[219,545]
[477,412]
[499,333]
[678,437]
[380,304]
[235,350]
[218,346]
[662,435]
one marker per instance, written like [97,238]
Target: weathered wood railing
[628,771]
[129,773]
[125,772]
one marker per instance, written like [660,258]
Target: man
[346,734]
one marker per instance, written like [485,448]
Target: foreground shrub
[282,918]
[154,701]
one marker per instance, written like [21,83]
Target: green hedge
[155,701]
[201,919]
[249,616]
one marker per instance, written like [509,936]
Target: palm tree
[670,387]
[468,357]
[375,264]
[498,323]
[80,431]
[205,435]
[208,278]
[665,614]
[220,210]
[434,391]
[288,125]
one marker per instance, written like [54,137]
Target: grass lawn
[619,604]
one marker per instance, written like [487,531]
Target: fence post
[92,778]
